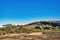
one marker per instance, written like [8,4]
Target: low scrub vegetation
[12,29]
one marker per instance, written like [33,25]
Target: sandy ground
[35,33]
[32,36]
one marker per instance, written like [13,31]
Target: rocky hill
[31,27]
[52,23]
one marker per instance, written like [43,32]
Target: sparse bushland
[13,29]
[30,32]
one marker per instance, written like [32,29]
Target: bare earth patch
[35,33]
[32,36]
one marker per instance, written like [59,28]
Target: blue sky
[27,11]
